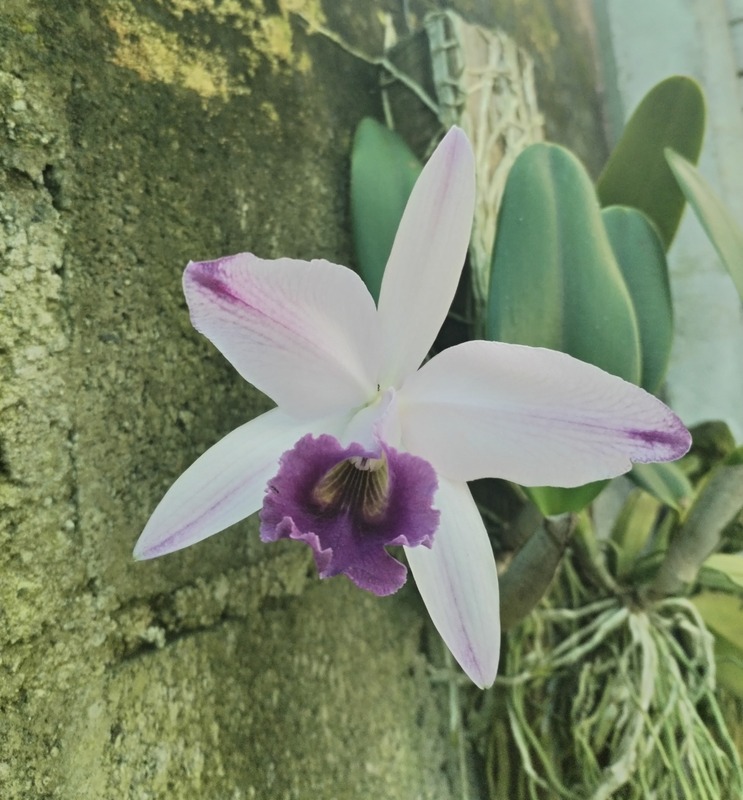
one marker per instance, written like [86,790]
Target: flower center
[348,504]
[358,486]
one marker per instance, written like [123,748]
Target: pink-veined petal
[304,333]
[533,416]
[427,256]
[225,484]
[458,582]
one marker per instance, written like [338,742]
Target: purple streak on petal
[304,333]
[209,279]
[343,542]
[663,445]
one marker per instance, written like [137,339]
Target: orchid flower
[367,448]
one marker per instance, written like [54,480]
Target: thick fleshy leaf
[427,257]
[723,615]
[225,484]
[533,416]
[642,261]
[670,115]
[383,173]
[555,500]
[730,564]
[305,333]
[723,231]
[555,281]
[666,482]
[729,663]
[458,582]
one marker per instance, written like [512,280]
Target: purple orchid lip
[348,504]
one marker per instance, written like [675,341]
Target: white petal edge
[225,484]
[533,416]
[304,333]
[458,582]
[427,256]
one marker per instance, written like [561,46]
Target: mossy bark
[136,135]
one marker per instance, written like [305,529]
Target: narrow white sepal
[225,484]
[427,257]
[458,582]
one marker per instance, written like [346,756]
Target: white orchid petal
[533,416]
[305,333]
[427,256]
[458,582]
[225,484]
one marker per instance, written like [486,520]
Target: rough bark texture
[135,135]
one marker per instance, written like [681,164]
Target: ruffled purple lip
[348,504]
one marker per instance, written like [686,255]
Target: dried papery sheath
[482,81]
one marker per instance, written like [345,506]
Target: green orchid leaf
[716,580]
[723,231]
[671,115]
[553,500]
[729,564]
[642,260]
[555,281]
[722,614]
[664,481]
[383,172]
[633,528]
[729,664]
